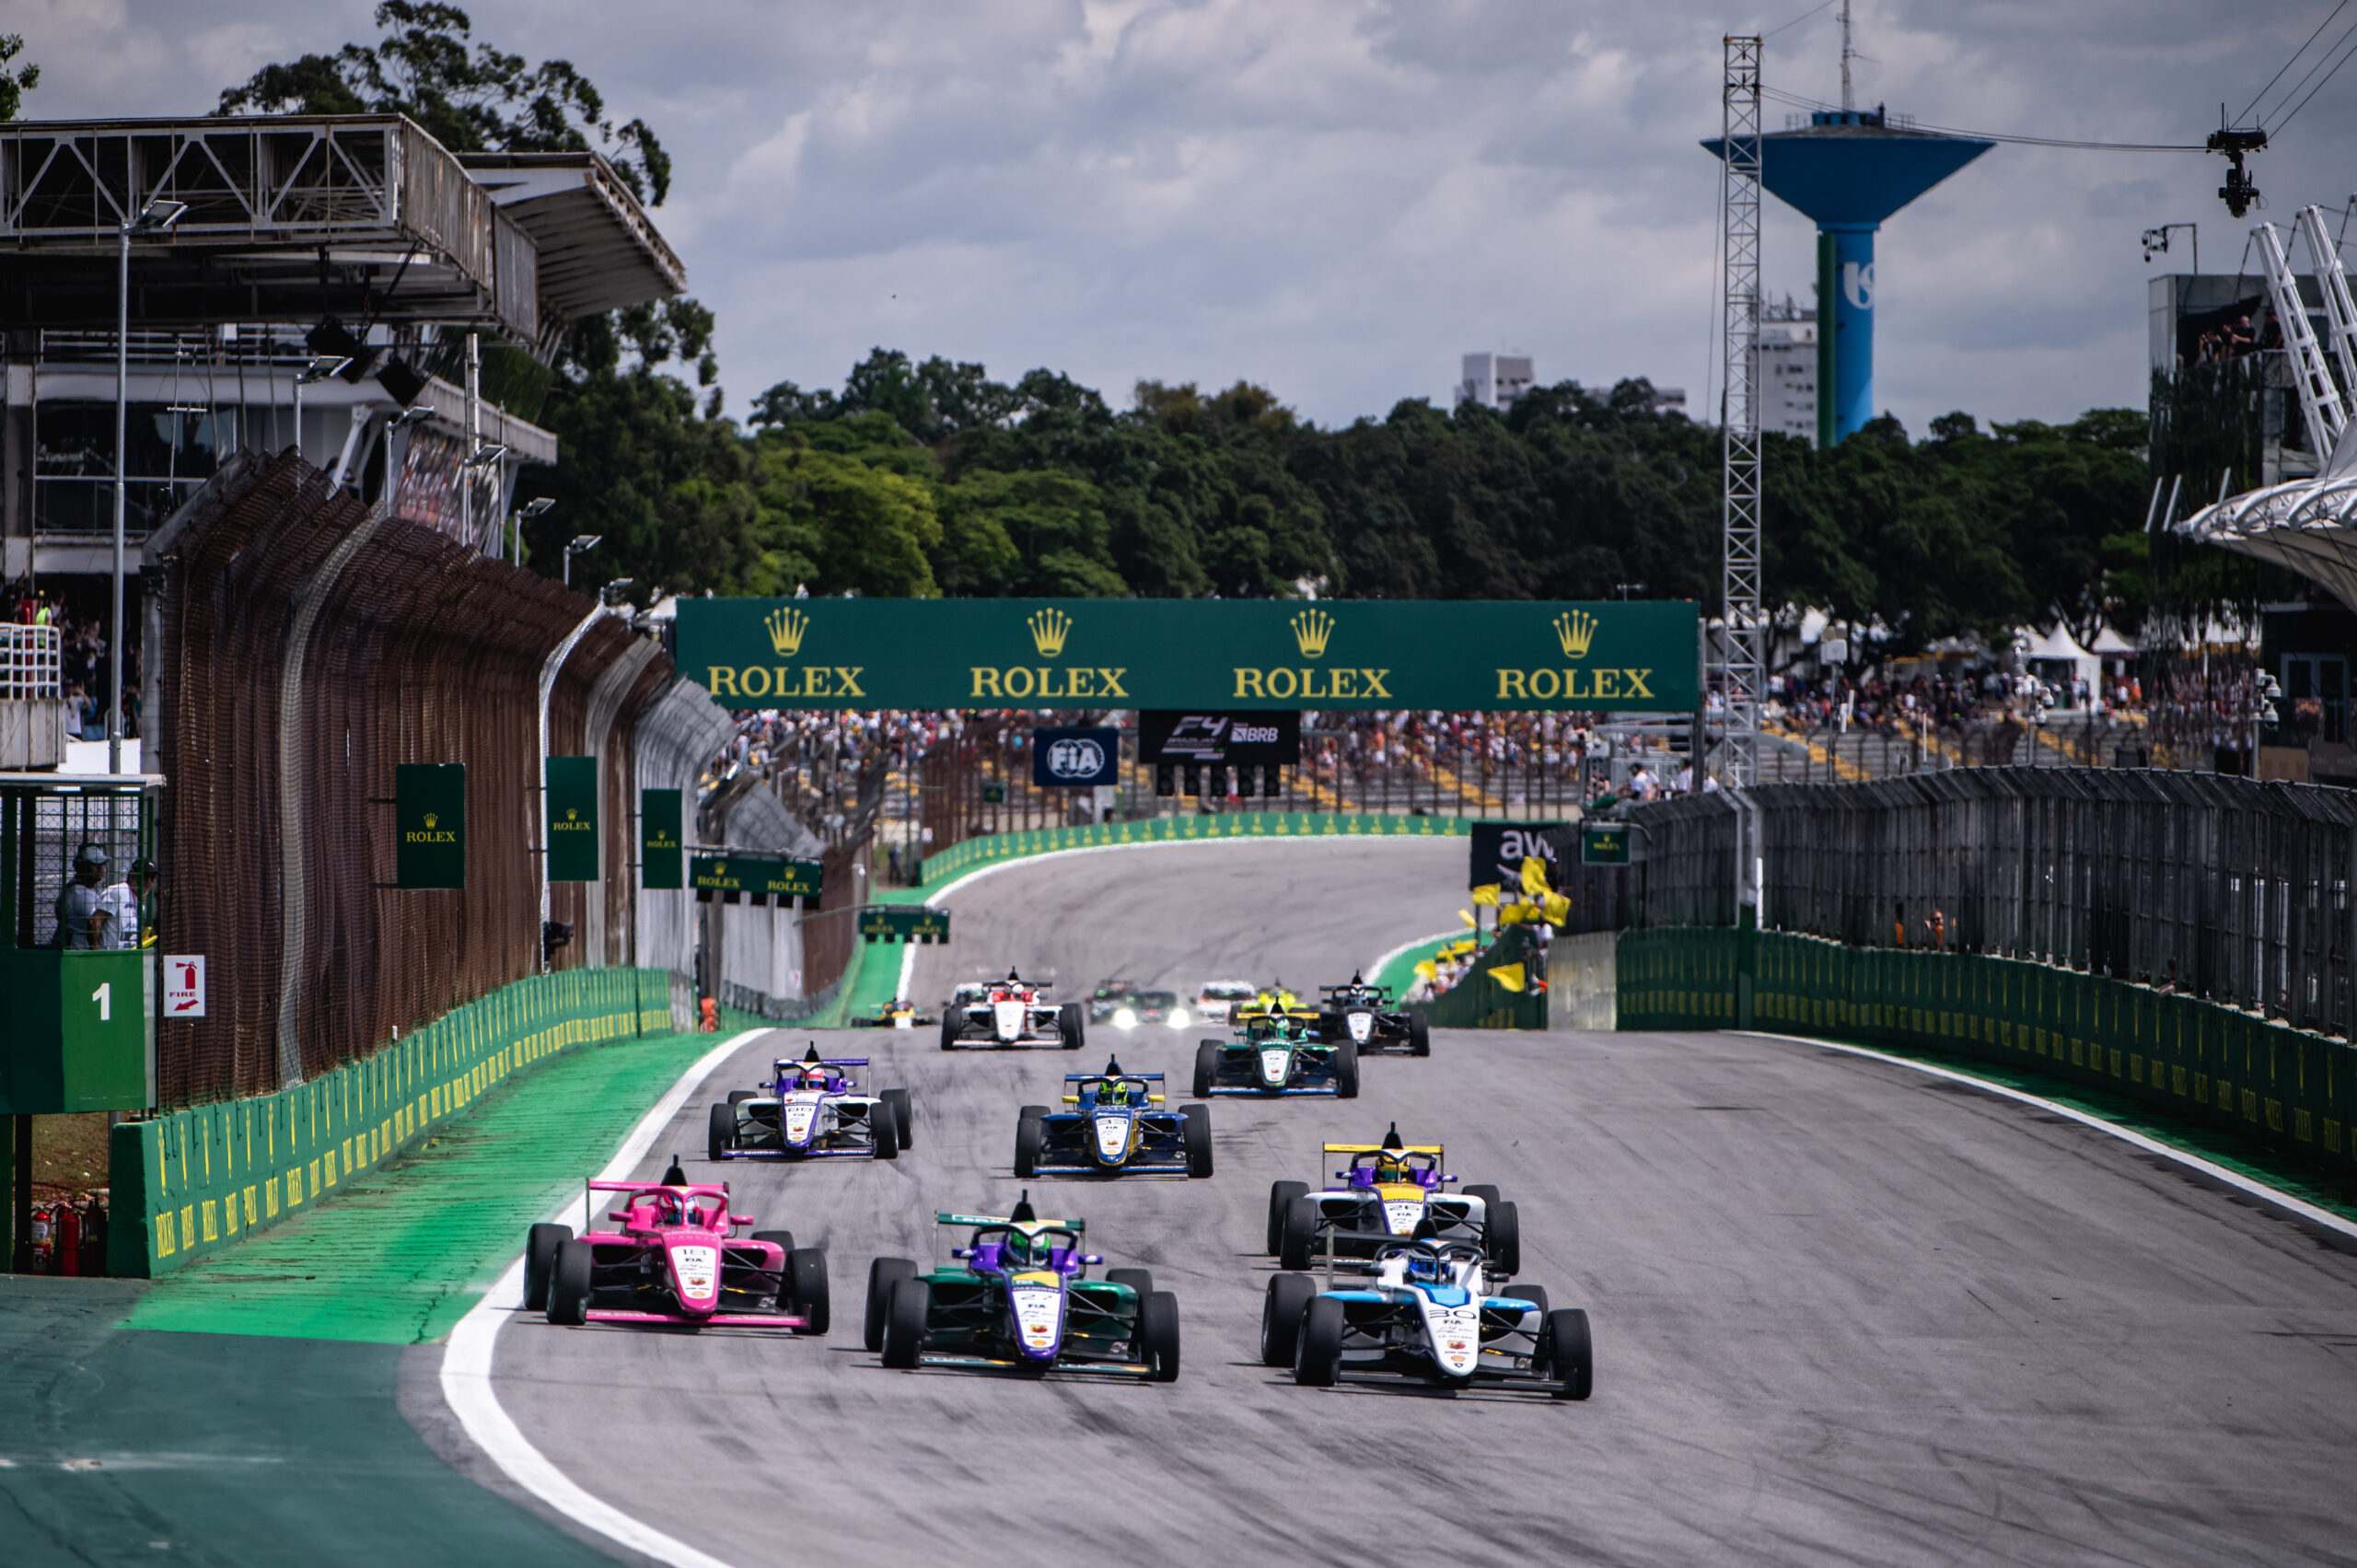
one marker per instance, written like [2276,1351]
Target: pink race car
[674,1258]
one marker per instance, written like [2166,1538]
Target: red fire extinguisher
[43,1239]
[94,1240]
[711,1017]
[65,1257]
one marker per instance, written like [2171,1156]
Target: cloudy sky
[1338,198]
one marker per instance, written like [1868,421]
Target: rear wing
[694,1189]
[1378,1149]
[1112,1077]
[784,1061]
[1075,1225]
[1382,991]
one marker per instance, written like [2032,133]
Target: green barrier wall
[2216,1066]
[194,1181]
[969,854]
[1478,1002]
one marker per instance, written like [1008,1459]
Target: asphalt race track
[1843,1312]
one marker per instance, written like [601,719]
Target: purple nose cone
[1847,172]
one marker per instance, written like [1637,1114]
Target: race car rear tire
[1138,1280]
[904,1318]
[1071,1023]
[1502,1240]
[1289,1296]
[1297,1236]
[1158,1335]
[1569,1352]
[722,1132]
[884,1129]
[540,1260]
[1280,1195]
[1346,1070]
[1535,1295]
[737,1094]
[903,1113]
[1029,1133]
[1197,1121]
[569,1283]
[1318,1354]
[1207,1068]
[949,1031]
[805,1272]
[882,1275]
[1419,1035]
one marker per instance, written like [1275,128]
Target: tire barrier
[967,853]
[2216,1066]
[194,1181]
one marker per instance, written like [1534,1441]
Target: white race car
[809,1110]
[1216,1003]
[1387,1192]
[1013,1013]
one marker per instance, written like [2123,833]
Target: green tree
[15,85]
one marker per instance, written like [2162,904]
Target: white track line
[2234,1179]
[466,1358]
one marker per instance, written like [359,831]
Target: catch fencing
[2195,884]
[302,647]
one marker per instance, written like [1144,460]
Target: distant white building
[1784,377]
[1496,380]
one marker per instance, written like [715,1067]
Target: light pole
[532,509]
[416,414]
[581,544]
[156,218]
[611,593]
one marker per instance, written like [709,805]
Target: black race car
[1366,1017]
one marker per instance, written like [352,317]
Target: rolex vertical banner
[660,846]
[573,819]
[430,824]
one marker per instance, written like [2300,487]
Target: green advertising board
[903,923]
[76,1031]
[756,875]
[1218,654]
[660,843]
[573,819]
[1604,844]
[430,824]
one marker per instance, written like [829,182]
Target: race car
[808,1110]
[1141,1007]
[898,1014]
[1014,1012]
[1431,1313]
[1275,1053]
[1387,1192]
[674,1256]
[1218,997]
[1019,1298]
[1267,1002]
[1365,1016]
[1110,995]
[1115,1129]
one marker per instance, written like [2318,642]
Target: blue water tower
[1848,170]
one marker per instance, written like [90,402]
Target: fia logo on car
[1076,758]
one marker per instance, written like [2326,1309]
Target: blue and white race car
[1116,1128]
[1429,1313]
[811,1109]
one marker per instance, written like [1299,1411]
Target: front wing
[1064,1147]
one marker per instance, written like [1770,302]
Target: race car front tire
[1297,1236]
[1570,1352]
[884,1131]
[1289,1296]
[903,1113]
[1502,1240]
[1346,1070]
[569,1283]
[1158,1335]
[806,1274]
[1535,1295]
[1318,1355]
[1280,1195]
[540,1260]
[1207,1068]
[1072,1022]
[904,1317]
[1138,1280]
[1419,1035]
[737,1094]
[1197,1121]
[949,1031]
[722,1132]
[882,1275]
[1029,1133]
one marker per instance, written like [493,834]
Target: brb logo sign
[1075,759]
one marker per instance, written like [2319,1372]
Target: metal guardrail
[2208,886]
[31,663]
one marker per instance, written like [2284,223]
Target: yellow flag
[1558,909]
[1467,916]
[1510,976]
[1486,893]
[1534,876]
[1515,913]
[1428,971]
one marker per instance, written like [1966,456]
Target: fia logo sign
[1858,285]
[1076,758]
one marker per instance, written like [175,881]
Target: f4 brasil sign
[1199,653]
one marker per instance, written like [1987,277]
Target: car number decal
[696,1268]
[1402,1217]
[1273,1064]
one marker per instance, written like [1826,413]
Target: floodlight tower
[1848,170]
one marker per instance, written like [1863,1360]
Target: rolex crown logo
[431,819]
[1311,629]
[1575,630]
[786,627]
[1048,629]
[573,813]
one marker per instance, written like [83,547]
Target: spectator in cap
[81,903]
[130,907]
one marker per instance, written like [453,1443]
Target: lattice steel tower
[1736,649]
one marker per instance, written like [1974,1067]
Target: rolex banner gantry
[1197,654]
